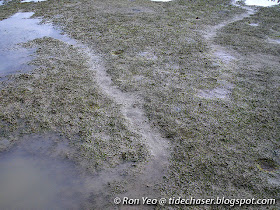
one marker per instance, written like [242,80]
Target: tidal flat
[158,99]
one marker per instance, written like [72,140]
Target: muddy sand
[106,102]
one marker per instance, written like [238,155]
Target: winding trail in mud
[225,56]
[130,103]
[149,174]
[212,32]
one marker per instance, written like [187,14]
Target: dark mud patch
[267,164]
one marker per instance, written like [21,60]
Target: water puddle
[4,2]
[35,174]
[32,179]
[253,24]
[20,28]
[32,1]
[274,41]
[219,92]
[148,55]
[224,56]
[263,3]
[161,0]
[23,1]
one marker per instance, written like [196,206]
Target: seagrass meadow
[194,90]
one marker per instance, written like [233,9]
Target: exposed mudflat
[138,99]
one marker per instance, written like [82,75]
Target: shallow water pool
[161,0]
[32,179]
[263,3]
[23,1]
[32,0]
[17,29]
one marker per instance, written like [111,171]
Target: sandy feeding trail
[138,122]
[130,105]
[211,33]
[224,56]
[152,172]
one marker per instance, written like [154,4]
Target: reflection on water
[29,179]
[17,29]
[32,0]
[6,1]
[264,3]
[161,0]
[37,174]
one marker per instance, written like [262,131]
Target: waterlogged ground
[263,3]
[22,1]
[17,29]
[157,99]
[31,179]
